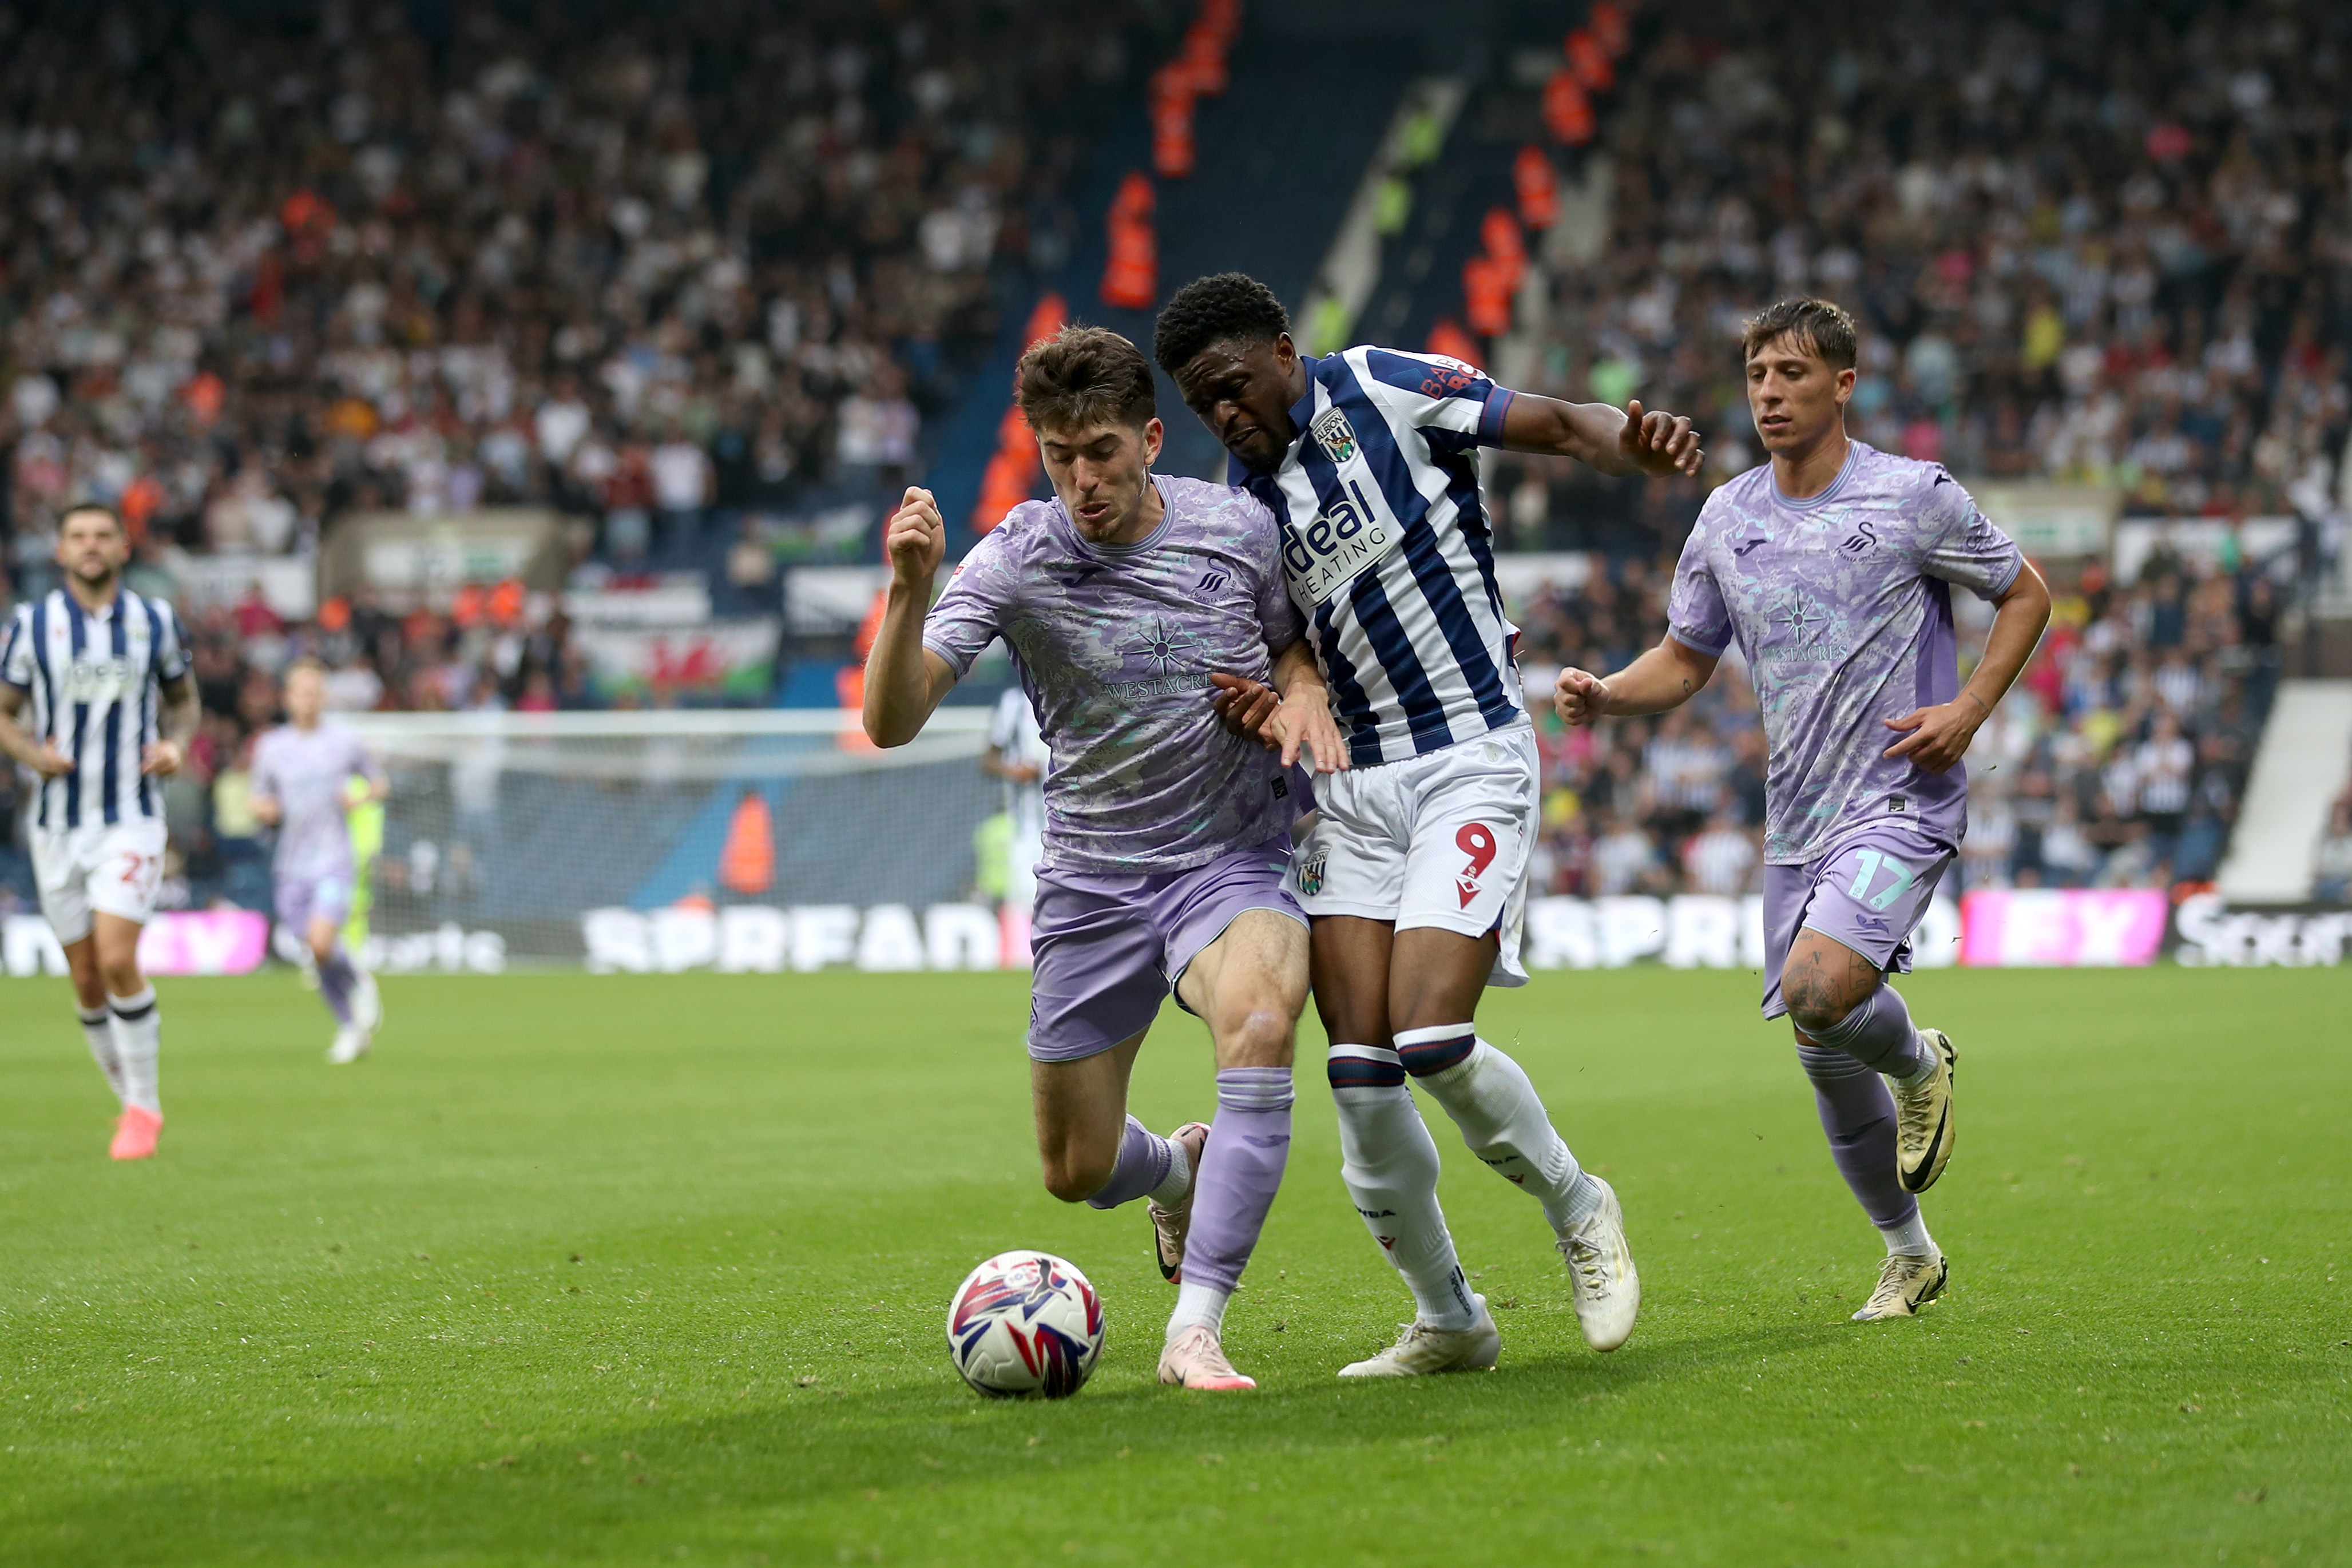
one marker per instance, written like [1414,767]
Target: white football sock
[1203,1305]
[98,1028]
[1389,1162]
[1910,1238]
[1504,1122]
[1178,1180]
[138,1039]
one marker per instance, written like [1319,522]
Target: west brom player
[301,776]
[1415,872]
[96,698]
[1166,837]
[1832,567]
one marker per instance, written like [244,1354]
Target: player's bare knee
[1262,1036]
[1816,1007]
[121,977]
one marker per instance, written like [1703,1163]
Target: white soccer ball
[1026,1323]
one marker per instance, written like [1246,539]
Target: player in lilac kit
[301,776]
[1831,567]
[1166,837]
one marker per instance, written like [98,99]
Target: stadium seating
[2118,761]
[711,289]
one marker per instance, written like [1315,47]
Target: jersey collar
[1853,451]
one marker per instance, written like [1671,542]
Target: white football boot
[367,1002]
[1602,1281]
[1906,1283]
[1923,1118]
[351,1042]
[1421,1350]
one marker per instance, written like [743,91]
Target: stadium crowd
[258,275]
[2087,242]
[2118,761]
[258,272]
[261,271]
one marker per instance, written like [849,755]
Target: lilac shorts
[1867,894]
[1107,947]
[302,899]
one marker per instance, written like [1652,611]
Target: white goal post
[639,840]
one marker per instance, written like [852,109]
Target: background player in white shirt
[1415,872]
[1017,754]
[96,699]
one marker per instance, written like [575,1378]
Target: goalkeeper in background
[300,770]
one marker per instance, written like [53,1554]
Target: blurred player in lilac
[301,774]
[1833,567]
[1125,600]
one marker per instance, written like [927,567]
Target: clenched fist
[1579,697]
[915,540]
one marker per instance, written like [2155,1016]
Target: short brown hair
[100,507]
[1817,325]
[1082,376]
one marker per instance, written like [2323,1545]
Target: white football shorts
[98,868]
[1440,841]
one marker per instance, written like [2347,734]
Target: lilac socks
[1858,1115]
[1146,1161]
[337,979]
[1249,1145]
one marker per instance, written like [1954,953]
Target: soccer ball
[1026,1323]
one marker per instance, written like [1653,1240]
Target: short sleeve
[1953,540]
[17,653]
[171,656]
[364,764]
[970,614]
[1454,405]
[262,773]
[1696,614]
[1278,619]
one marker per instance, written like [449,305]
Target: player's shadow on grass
[776,1468]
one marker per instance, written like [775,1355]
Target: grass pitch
[637,1270]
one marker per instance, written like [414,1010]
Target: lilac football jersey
[306,773]
[1841,605]
[1115,646]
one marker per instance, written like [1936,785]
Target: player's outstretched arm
[1668,675]
[1613,440]
[1936,738]
[37,755]
[905,680]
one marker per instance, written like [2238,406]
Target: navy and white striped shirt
[95,682]
[1387,549]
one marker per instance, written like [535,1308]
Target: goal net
[679,840]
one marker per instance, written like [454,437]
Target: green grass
[637,1270]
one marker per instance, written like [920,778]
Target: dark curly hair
[1083,376]
[1227,307]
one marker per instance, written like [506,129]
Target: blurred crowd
[2119,759]
[257,271]
[2093,241]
